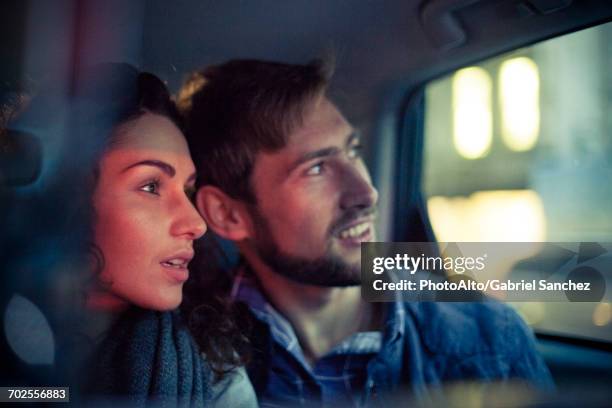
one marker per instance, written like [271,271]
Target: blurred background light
[602,314]
[472,113]
[532,312]
[489,216]
[519,90]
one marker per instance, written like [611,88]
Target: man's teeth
[175,263]
[355,231]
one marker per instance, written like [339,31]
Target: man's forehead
[322,124]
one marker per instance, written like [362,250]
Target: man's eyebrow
[163,166]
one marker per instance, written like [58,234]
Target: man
[280,174]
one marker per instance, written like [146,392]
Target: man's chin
[349,257]
[328,271]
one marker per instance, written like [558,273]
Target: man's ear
[226,216]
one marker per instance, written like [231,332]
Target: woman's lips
[178,274]
[176,265]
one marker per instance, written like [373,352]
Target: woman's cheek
[143,223]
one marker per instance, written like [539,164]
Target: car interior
[483,121]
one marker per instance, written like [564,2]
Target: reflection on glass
[602,314]
[489,216]
[472,114]
[531,312]
[519,85]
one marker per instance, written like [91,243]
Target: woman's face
[145,223]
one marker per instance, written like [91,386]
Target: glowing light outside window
[492,216]
[472,113]
[602,314]
[519,85]
[489,216]
[532,312]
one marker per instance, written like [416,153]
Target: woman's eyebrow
[163,166]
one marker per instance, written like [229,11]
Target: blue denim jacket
[446,342]
[424,345]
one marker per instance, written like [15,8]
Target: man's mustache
[351,216]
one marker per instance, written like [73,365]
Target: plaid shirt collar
[246,289]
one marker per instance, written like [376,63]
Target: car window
[519,148]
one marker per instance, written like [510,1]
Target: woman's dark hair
[109,95]
[220,326]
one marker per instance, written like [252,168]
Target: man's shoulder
[464,329]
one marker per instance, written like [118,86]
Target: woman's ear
[225,215]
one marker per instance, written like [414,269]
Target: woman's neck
[104,301]
[103,309]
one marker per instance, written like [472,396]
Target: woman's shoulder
[234,389]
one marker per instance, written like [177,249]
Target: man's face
[315,202]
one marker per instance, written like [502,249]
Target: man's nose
[358,191]
[188,221]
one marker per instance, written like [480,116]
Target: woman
[143,233]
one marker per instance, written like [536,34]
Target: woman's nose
[188,222]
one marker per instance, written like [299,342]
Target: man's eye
[355,151]
[316,169]
[151,187]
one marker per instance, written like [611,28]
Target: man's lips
[358,230]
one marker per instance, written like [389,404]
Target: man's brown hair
[234,110]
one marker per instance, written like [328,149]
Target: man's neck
[320,316]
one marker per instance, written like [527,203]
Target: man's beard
[328,270]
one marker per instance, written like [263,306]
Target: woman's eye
[151,187]
[316,169]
